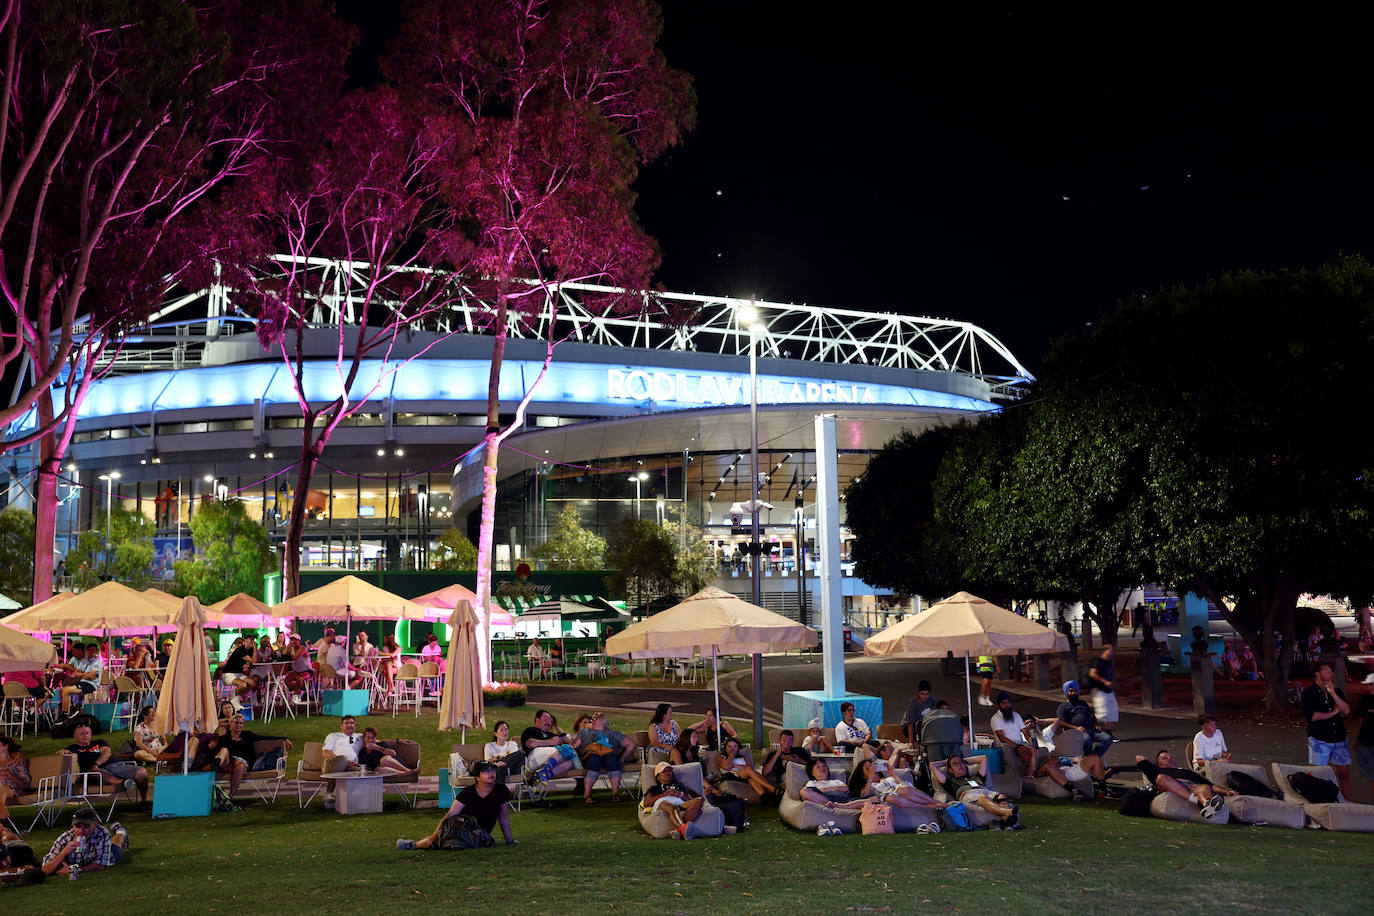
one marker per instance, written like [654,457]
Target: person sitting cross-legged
[681,804]
[965,781]
[1165,774]
[88,846]
[486,800]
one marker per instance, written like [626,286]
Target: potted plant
[504,694]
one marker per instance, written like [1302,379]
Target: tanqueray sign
[724,389]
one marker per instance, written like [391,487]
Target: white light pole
[109,479]
[638,479]
[749,315]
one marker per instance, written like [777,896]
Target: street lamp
[750,316]
[637,479]
[109,479]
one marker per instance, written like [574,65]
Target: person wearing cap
[679,803]
[302,670]
[164,655]
[916,708]
[815,742]
[1074,713]
[88,846]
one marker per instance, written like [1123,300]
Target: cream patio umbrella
[711,619]
[108,606]
[349,598]
[20,652]
[188,696]
[460,702]
[965,623]
[241,611]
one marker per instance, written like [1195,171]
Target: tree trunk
[311,449]
[44,504]
[486,534]
[1256,617]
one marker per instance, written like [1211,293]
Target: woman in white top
[148,742]
[504,753]
[832,793]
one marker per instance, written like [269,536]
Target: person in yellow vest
[987,667]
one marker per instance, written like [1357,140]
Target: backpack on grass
[463,832]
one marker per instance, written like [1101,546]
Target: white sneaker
[1212,807]
[984,701]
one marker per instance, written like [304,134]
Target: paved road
[895,680]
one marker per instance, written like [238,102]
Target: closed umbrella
[19,652]
[188,696]
[716,620]
[460,702]
[965,623]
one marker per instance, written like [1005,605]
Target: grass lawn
[279,859]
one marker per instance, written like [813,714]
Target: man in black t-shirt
[1165,774]
[775,766]
[486,801]
[1102,676]
[1364,741]
[234,752]
[234,671]
[544,747]
[92,755]
[1325,705]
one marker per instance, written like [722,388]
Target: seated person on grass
[93,755]
[710,736]
[687,749]
[486,800]
[832,793]
[816,742]
[1208,743]
[851,732]
[548,750]
[602,748]
[965,781]
[88,846]
[732,765]
[681,804]
[237,747]
[775,764]
[382,759]
[1165,774]
[866,782]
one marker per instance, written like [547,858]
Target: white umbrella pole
[968,686]
[715,688]
[186,752]
[348,645]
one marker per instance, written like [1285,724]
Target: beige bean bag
[1254,809]
[711,821]
[807,816]
[1341,815]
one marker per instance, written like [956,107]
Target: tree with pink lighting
[122,119]
[562,102]
[366,195]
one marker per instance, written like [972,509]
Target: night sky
[1007,164]
[1021,166]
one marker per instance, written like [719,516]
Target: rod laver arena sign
[726,390]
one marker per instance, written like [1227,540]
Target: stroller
[941,737]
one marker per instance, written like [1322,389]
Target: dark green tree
[232,553]
[891,511]
[1241,404]
[454,552]
[130,556]
[644,557]
[569,545]
[16,554]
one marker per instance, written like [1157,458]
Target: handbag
[457,768]
[875,817]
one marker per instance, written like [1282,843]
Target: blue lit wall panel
[583,384]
